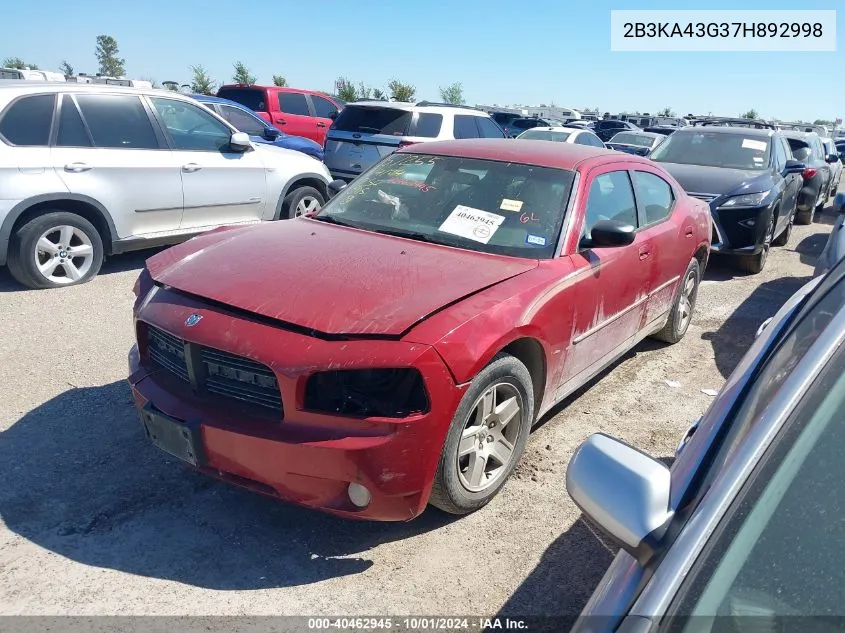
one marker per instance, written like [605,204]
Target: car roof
[555,128]
[211,99]
[798,135]
[730,129]
[420,105]
[29,87]
[528,152]
[640,133]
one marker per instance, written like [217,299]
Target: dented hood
[327,278]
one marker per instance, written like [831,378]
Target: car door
[670,236]
[610,293]
[220,186]
[294,116]
[107,148]
[792,183]
[325,112]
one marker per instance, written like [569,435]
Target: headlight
[745,200]
[390,393]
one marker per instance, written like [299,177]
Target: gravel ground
[95,521]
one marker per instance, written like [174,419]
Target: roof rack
[735,122]
[447,105]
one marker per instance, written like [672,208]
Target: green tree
[107,55]
[66,68]
[18,64]
[363,91]
[453,93]
[822,122]
[379,95]
[201,83]
[345,89]
[400,91]
[667,111]
[280,81]
[751,114]
[242,74]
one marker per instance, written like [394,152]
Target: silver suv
[93,170]
[367,131]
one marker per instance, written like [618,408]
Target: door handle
[280,121]
[320,124]
[644,252]
[77,167]
[688,232]
[191,168]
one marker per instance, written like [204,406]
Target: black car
[606,128]
[504,119]
[666,130]
[639,142]
[807,147]
[748,177]
[518,126]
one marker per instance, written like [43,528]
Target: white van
[30,75]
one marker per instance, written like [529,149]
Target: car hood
[329,279]
[718,180]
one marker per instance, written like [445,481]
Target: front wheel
[302,201]
[755,264]
[486,438]
[55,249]
[681,315]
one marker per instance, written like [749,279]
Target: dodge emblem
[192,320]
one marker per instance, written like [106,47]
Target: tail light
[808,174]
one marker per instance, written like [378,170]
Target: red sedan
[396,348]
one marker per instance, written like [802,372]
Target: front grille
[215,371]
[707,197]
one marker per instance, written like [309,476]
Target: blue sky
[502,52]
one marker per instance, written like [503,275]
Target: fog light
[359,495]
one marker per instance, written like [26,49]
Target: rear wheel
[486,438]
[804,217]
[681,315]
[302,201]
[55,249]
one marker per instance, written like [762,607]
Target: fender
[289,186]
[23,206]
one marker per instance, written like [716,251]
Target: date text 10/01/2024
[417,624]
[722,29]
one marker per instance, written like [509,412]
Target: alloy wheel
[308,204]
[687,300]
[63,254]
[487,443]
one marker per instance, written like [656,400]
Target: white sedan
[562,135]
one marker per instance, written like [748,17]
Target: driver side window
[191,127]
[611,197]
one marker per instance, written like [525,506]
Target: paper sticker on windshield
[473,224]
[537,240]
[750,143]
[757,159]
[510,205]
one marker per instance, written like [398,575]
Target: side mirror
[839,202]
[832,158]
[271,133]
[610,233]
[240,142]
[335,187]
[625,492]
[793,167]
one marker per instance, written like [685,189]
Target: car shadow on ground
[82,481]
[114,264]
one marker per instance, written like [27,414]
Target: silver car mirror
[624,491]
[240,142]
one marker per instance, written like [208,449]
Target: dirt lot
[95,521]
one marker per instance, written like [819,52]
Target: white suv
[93,170]
[366,131]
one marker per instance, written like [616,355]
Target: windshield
[628,138]
[733,150]
[482,205]
[545,135]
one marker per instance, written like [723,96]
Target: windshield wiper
[330,219]
[412,235]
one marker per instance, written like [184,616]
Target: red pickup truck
[296,112]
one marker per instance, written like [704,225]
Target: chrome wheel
[487,443]
[687,301]
[63,254]
[308,204]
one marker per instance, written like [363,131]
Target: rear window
[28,120]
[252,98]
[630,138]
[545,135]
[374,120]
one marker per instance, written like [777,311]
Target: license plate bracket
[180,439]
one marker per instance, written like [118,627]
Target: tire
[682,309]
[754,264]
[61,229]
[783,238]
[296,203]
[453,490]
[804,217]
